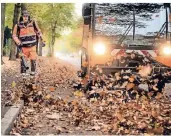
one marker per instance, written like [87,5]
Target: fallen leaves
[156,130]
[95,128]
[145,71]
[13,84]
[54,116]
[119,116]
[154,113]
[78,93]
[52,89]
[48,96]
[130,86]
[110,111]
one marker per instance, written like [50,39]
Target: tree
[56,23]
[7,37]
[40,49]
[75,38]
[15,20]
[2,28]
[9,11]
[127,13]
[52,20]
[23,7]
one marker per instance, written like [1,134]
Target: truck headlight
[99,48]
[167,50]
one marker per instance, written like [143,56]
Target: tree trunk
[15,20]
[49,50]
[23,7]
[40,48]
[2,28]
[50,47]
[53,42]
[133,24]
[53,37]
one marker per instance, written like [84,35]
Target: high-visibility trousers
[30,52]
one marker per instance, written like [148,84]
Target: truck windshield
[113,21]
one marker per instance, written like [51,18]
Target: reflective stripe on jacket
[27,34]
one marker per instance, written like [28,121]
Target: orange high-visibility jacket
[26,34]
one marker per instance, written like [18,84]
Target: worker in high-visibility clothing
[25,35]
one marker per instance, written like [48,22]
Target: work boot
[23,70]
[33,67]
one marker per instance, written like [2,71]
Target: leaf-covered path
[52,106]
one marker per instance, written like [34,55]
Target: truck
[99,48]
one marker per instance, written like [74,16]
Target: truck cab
[104,49]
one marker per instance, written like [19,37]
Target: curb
[8,121]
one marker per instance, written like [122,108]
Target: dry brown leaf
[159,96]
[22,115]
[110,99]
[48,96]
[78,93]
[24,125]
[52,89]
[157,130]
[30,110]
[127,131]
[96,128]
[115,127]
[74,102]
[142,125]
[155,88]
[160,117]
[25,121]
[54,116]
[120,116]
[59,129]
[154,113]
[130,86]
[131,79]
[102,93]
[34,87]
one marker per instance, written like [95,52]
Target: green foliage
[49,16]
[75,42]
[71,42]
[9,11]
[74,39]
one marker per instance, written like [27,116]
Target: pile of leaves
[42,91]
[128,102]
[52,74]
[131,84]
[107,114]
[9,76]
[113,104]
[111,116]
